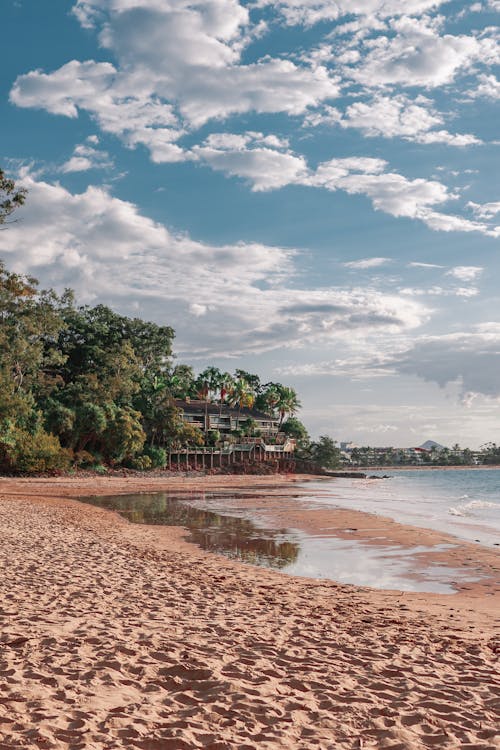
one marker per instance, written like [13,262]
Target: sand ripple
[122,637]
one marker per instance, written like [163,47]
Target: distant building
[347,447]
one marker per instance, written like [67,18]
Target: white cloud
[310,12]
[448,223]
[268,169]
[389,191]
[239,293]
[465,273]
[488,87]
[418,55]
[244,156]
[417,264]
[364,263]
[439,291]
[178,67]
[485,210]
[393,116]
[85,156]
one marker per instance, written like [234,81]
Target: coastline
[123,636]
[397,467]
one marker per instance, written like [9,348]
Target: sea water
[461,502]
[464,503]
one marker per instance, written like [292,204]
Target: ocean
[462,502]
[238,523]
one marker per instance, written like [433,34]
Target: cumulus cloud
[485,210]
[487,87]
[86,156]
[268,168]
[465,273]
[240,294]
[179,65]
[416,54]
[310,12]
[389,191]
[449,223]
[250,157]
[391,117]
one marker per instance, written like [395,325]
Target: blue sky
[308,190]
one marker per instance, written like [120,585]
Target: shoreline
[482,467]
[116,635]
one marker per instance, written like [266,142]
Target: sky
[306,190]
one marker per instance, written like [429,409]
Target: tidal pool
[291,551]
[235,537]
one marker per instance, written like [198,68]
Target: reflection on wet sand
[318,555]
[237,538]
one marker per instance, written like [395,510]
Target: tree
[11,197]
[30,323]
[241,396]
[207,385]
[325,452]
[288,403]
[268,398]
[253,381]
[181,382]
[296,430]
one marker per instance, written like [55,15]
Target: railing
[229,454]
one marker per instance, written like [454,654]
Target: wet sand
[115,635]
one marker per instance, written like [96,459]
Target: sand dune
[120,636]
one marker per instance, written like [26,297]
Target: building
[266,443]
[226,418]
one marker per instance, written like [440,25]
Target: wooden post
[212,458]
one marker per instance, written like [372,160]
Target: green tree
[294,428]
[288,403]
[325,452]
[11,197]
[181,382]
[241,396]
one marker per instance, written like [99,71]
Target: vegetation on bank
[83,386]
[86,387]
[364,456]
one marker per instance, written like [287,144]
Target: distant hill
[431,445]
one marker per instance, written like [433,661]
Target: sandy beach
[116,635]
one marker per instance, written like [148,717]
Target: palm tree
[241,395]
[181,381]
[208,384]
[226,386]
[288,403]
[271,396]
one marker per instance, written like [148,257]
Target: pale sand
[122,636]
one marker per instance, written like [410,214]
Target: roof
[197,406]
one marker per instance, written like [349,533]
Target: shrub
[213,437]
[83,459]
[157,455]
[140,463]
[99,469]
[26,453]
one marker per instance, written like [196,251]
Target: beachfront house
[227,419]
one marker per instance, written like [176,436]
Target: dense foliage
[85,386]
